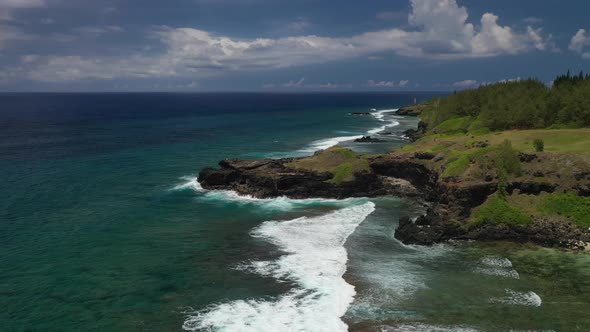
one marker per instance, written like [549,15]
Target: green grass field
[556,140]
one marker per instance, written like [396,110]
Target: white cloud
[297,26]
[98,30]
[15,4]
[10,33]
[532,20]
[579,42]
[387,84]
[440,31]
[294,84]
[8,6]
[508,80]
[465,84]
[300,85]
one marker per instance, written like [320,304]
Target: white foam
[315,259]
[380,115]
[279,203]
[328,143]
[519,298]
[496,261]
[426,328]
[497,266]
[333,141]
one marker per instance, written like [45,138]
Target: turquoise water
[104,228]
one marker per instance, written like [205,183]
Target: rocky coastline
[414,175]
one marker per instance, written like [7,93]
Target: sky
[287,45]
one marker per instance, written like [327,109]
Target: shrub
[539,145]
[507,159]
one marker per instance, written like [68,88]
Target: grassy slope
[341,162]
[556,140]
[463,160]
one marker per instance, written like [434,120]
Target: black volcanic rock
[273,178]
[368,139]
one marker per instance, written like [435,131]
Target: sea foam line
[315,259]
[330,142]
[279,203]
[380,115]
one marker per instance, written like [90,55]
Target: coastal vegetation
[508,161]
[340,162]
[519,104]
[498,210]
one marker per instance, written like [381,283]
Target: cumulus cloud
[387,84]
[579,42]
[440,30]
[465,84]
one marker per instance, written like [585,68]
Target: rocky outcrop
[415,175]
[411,110]
[272,178]
[408,175]
[416,134]
[368,139]
[545,231]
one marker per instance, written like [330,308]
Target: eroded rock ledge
[274,178]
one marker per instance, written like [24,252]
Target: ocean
[103,226]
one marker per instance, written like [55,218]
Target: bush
[507,159]
[539,145]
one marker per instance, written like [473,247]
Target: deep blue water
[102,226]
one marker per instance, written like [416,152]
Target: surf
[323,144]
[315,260]
[281,203]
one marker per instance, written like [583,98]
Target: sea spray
[278,204]
[315,259]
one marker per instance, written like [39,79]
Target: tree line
[521,104]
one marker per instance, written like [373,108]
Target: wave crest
[315,259]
